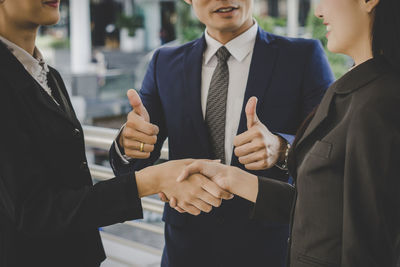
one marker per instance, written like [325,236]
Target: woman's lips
[54,4]
[328,29]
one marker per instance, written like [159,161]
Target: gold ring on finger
[141,147]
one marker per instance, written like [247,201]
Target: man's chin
[230,27]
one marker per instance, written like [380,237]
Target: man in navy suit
[179,92]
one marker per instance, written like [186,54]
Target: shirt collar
[33,64]
[239,47]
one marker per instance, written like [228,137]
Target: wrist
[148,181]
[281,148]
[233,179]
[243,184]
[284,148]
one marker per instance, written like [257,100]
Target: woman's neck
[362,52]
[23,37]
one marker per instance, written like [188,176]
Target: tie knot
[223,54]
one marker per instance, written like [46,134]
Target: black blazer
[346,168]
[49,210]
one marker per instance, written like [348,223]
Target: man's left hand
[257,148]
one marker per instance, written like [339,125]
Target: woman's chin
[332,47]
[50,20]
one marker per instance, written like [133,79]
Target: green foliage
[49,41]
[130,22]
[60,43]
[338,62]
[189,28]
[269,24]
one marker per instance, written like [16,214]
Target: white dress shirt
[241,50]
[34,65]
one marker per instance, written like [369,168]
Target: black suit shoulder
[379,99]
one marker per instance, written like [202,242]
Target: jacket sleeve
[317,77]
[274,201]
[371,215]
[35,200]
[152,102]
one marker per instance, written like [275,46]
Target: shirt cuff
[120,150]
[287,137]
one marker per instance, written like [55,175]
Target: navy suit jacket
[288,76]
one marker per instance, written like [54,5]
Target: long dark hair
[386,31]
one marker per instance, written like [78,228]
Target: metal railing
[98,137]
[102,138]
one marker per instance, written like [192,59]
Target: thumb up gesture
[257,148]
[138,136]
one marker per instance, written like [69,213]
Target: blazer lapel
[320,115]
[261,68]
[58,88]
[47,101]
[192,68]
[23,82]
[348,83]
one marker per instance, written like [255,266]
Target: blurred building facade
[102,47]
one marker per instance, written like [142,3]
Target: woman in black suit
[344,207]
[49,210]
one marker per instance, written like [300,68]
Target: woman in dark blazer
[49,210]
[345,160]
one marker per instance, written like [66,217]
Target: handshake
[196,186]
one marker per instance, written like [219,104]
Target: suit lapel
[192,68]
[351,81]
[261,68]
[47,101]
[23,82]
[58,88]
[320,115]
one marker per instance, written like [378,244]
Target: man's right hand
[139,135]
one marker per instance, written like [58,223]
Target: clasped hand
[194,195]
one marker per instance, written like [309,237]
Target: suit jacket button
[84,166]
[76,133]
[220,220]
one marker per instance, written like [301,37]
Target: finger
[259,165]
[173,202]
[205,167]
[180,210]
[215,190]
[248,136]
[134,122]
[135,145]
[163,197]
[137,154]
[210,199]
[242,139]
[136,103]
[249,148]
[195,167]
[190,209]
[201,205]
[132,134]
[250,110]
[254,157]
